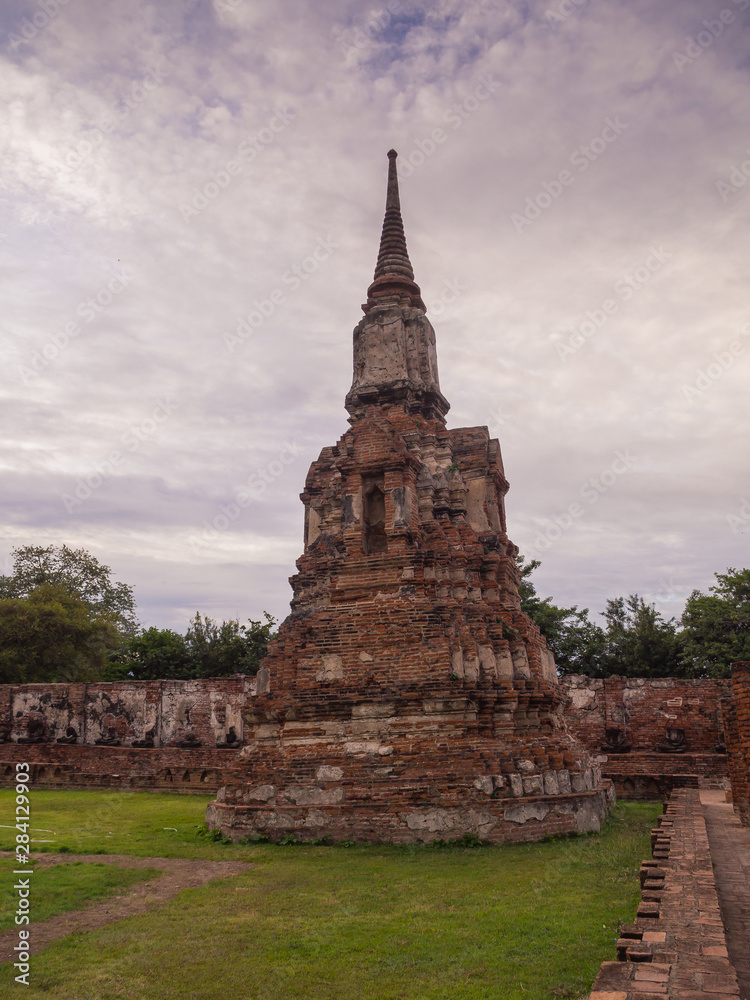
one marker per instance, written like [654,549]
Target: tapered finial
[394,277]
[392,199]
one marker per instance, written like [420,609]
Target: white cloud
[223,76]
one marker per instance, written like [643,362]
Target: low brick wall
[656,775]
[53,765]
[676,947]
[644,708]
[738,740]
[162,712]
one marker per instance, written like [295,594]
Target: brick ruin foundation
[651,735]
[407,697]
[175,735]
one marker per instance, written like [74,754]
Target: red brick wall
[675,948]
[57,766]
[643,708]
[203,709]
[738,740]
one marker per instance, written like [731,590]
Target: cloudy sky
[192,194]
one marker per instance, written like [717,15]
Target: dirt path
[178,874]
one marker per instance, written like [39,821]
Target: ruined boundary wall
[643,708]
[183,728]
[676,948]
[172,769]
[163,713]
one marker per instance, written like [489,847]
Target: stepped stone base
[412,790]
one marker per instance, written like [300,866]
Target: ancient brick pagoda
[407,696]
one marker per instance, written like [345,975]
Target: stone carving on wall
[673,742]
[615,741]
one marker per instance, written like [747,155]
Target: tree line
[63,618]
[637,641]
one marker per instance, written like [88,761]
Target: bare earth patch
[179,874]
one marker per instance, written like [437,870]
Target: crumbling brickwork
[738,740]
[140,714]
[199,770]
[650,735]
[644,708]
[407,696]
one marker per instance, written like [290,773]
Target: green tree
[716,626]
[217,650]
[80,573]
[639,642]
[576,642]
[52,636]
[154,654]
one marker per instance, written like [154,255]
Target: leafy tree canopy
[208,649]
[80,573]
[51,636]
[716,626]
[639,642]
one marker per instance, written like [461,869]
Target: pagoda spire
[395,360]
[394,275]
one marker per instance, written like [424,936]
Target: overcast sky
[192,196]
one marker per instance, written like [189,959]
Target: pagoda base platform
[414,790]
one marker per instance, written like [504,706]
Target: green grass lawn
[66,887]
[527,921]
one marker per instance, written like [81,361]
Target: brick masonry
[644,710]
[738,740]
[177,735]
[125,713]
[676,947]
[199,771]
